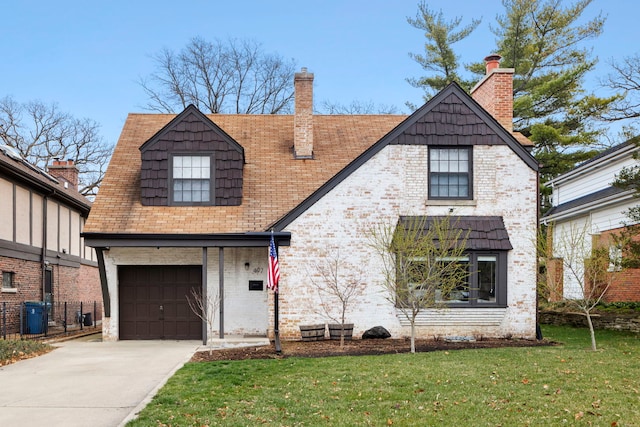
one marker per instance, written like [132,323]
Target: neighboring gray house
[190,200]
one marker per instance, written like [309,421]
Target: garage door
[153,303]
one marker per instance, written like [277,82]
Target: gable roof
[36,179]
[183,122]
[277,188]
[451,117]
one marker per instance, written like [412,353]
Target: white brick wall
[394,183]
[246,312]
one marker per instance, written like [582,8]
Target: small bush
[618,306]
[14,350]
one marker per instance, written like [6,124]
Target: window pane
[470,280]
[487,269]
[7,280]
[191,178]
[449,172]
[454,286]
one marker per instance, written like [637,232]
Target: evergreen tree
[544,42]
[439,57]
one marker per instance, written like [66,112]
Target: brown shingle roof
[274,182]
[479,232]
[37,179]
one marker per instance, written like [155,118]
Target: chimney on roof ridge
[66,171]
[303,115]
[495,91]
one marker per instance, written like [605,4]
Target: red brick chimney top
[492,61]
[66,171]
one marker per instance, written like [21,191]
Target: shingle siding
[449,123]
[190,134]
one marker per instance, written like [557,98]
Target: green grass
[14,350]
[566,384]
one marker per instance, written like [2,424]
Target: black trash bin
[87,319]
[35,317]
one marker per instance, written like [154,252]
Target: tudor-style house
[42,254]
[585,199]
[192,201]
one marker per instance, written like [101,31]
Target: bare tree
[579,269]
[41,132]
[625,81]
[235,76]
[423,265]
[339,284]
[357,107]
[206,308]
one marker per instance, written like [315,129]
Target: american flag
[274,268]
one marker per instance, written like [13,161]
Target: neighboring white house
[191,201]
[584,198]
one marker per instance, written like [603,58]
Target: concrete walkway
[88,383]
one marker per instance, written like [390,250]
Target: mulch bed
[357,347]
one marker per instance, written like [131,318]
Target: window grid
[449,173]
[191,179]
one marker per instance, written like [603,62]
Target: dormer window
[191,179]
[191,162]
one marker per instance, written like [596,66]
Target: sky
[88,56]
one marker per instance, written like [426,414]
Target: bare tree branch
[42,132]
[339,284]
[235,76]
[206,308]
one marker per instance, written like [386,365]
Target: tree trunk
[413,335]
[342,334]
[591,331]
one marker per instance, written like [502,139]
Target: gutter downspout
[43,256]
[538,330]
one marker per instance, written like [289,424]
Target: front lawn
[506,386]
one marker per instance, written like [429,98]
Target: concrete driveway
[88,383]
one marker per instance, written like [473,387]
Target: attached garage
[153,302]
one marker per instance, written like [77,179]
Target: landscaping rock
[377,332]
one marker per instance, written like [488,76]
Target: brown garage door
[153,302]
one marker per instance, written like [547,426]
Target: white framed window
[8,281]
[191,179]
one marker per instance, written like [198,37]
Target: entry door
[153,302]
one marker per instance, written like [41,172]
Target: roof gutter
[249,239]
[592,165]
[588,207]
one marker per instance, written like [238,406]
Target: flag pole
[276,307]
[276,329]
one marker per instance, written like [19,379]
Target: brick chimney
[65,171]
[303,116]
[495,92]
